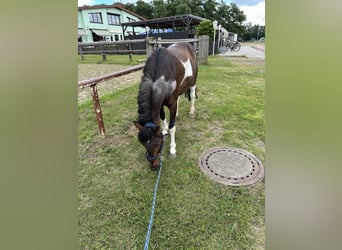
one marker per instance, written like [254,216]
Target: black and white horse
[168,73]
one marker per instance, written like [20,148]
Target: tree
[205,28]
[254,32]
[196,7]
[159,8]
[130,6]
[177,7]
[231,18]
[144,9]
[210,9]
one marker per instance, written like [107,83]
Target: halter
[151,158]
[150,125]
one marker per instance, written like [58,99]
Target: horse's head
[151,138]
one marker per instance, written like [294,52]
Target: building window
[113,19]
[130,20]
[95,17]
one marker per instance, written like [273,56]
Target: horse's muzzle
[155,161]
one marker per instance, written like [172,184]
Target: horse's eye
[148,141]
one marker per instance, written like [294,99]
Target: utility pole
[215,27]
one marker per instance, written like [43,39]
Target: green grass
[111,59]
[192,212]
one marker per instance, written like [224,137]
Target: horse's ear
[138,125]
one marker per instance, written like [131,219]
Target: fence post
[159,44]
[81,52]
[203,49]
[104,57]
[98,112]
[149,46]
[130,52]
[195,43]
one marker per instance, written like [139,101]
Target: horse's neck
[157,98]
[149,102]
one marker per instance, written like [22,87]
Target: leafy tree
[229,16]
[196,7]
[159,8]
[130,6]
[210,9]
[254,32]
[144,9]
[177,7]
[205,28]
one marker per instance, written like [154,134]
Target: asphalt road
[247,50]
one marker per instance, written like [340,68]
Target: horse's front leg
[192,99]
[172,129]
[165,130]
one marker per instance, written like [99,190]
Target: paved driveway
[248,50]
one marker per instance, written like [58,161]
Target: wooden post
[81,52]
[149,46]
[104,57]
[98,112]
[196,44]
[159,44]
[203,48]
[130,52]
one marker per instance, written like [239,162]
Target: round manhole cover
[231,166]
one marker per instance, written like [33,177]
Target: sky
[253,9]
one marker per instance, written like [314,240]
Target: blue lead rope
[148,234]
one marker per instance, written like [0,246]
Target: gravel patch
[87,71]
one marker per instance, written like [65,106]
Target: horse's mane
[150,74]
[144,99]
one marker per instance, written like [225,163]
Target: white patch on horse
[187,69]
[173,141]
[172,86]
[160,84]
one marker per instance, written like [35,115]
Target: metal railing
[96,99]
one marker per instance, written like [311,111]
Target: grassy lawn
[192,212]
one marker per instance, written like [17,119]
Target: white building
[103,22]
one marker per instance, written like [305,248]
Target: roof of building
[105,6]
[167,22]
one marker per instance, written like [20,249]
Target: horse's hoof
[192,113]
[172,156]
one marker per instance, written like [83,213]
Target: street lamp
[219,35]
[147,30]
[215,27]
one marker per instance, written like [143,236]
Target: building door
[97,38]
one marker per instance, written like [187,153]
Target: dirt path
[249,50]
[258,46]
[87,71]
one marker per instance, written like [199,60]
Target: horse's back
[183,51]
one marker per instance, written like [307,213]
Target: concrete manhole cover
[231,166]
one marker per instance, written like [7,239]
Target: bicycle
[233,45]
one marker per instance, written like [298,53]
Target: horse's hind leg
[165,130]
[192,100]
[177,107]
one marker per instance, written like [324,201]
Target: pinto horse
[168,73]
